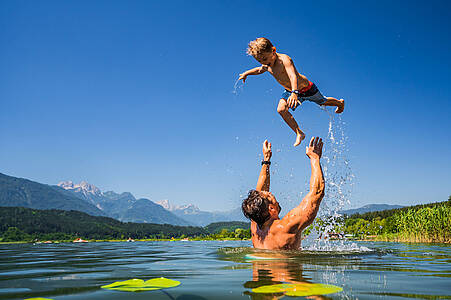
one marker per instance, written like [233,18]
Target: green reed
[425,224]
[430,224]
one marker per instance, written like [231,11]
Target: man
[262,208]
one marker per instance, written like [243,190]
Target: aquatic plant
[139,285]
[298,289]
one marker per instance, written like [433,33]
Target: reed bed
[430,224]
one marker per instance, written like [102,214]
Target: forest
[25,224]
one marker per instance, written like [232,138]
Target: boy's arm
[302,216]
[263,178]
[255,71]
[291,72]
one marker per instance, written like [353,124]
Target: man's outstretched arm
[303,215]
[263,178]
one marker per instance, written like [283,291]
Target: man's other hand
[315,148]
[267,153]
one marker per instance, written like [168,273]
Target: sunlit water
[220,270]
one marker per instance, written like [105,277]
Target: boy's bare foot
[299,137]
[340,108]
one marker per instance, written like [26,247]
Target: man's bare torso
[274,237]
[280,74]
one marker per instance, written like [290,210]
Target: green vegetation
[139,285]
[227,234]
[420,223]
[383,214]
[230,226]
[25,224]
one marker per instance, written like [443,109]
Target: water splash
[337,168]
[237,87]
[337,247]
[339,182]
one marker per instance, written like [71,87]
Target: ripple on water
[14,290]
[220,270]
[32,271]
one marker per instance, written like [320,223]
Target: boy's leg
[282,109]
[331,101]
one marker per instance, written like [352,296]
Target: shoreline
[400,238]
[372,239]
[124,240]
[417,240]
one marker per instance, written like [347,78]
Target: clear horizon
[138,97]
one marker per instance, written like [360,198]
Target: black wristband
[266,162]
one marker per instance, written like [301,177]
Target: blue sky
[137,96]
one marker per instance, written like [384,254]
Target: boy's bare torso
[279,72]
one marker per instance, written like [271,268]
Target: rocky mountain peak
[187,209]
[90,188]
[66,184]
[83,187]
[165,203]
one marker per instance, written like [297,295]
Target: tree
[225,233]
[14,234]
[239,233]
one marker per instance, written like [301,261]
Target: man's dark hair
[256,208]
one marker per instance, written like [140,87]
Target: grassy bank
[403,238]
[425,223]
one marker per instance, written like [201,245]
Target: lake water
[221,270]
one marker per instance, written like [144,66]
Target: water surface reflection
[221,270]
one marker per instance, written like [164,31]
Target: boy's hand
[243,77]
[267,153]
[315,148]
[292,101]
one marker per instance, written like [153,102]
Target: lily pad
[139,285]
[298,289]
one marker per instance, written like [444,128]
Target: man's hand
[243,77]
[292,101]
[263,178]
[267,150]
[315,148]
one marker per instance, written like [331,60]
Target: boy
[297,87]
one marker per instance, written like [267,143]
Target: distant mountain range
[194,215]
[26,193]
[124,207]
[88,198]
[369,208]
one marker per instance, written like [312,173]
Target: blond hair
[259,46]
